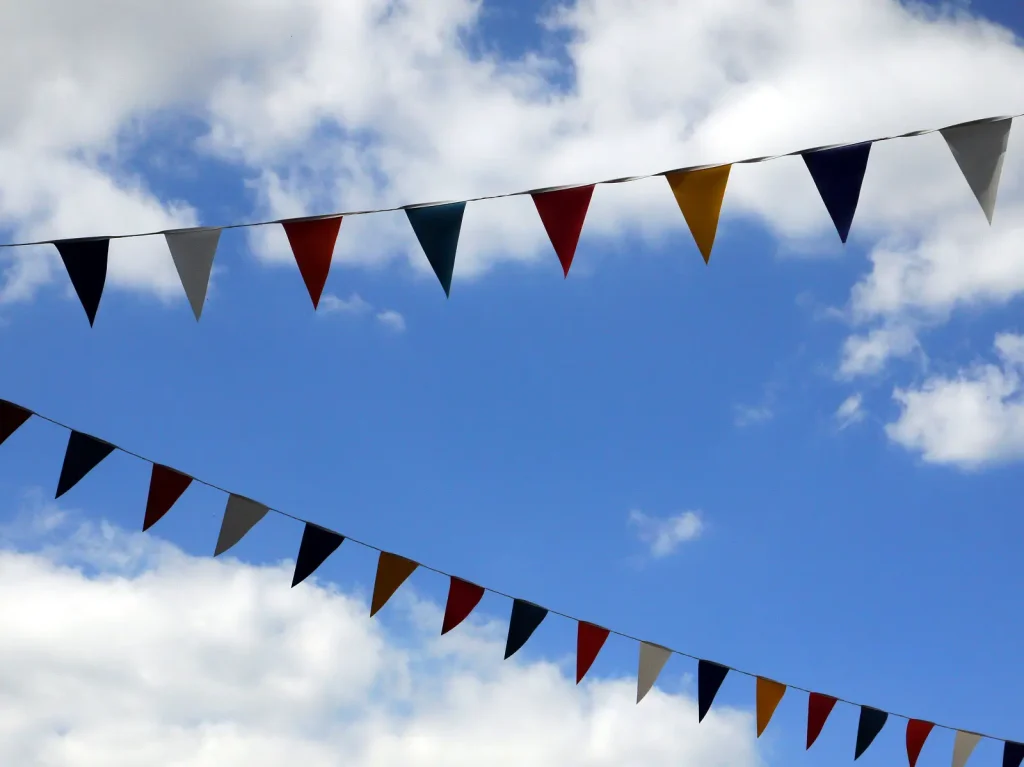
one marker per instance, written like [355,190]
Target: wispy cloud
[392,320]
[851,411]
[354,304]
[749,416]
[663,535]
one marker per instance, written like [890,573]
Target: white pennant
[963,746]
[652,660]
[240,516]
[979,150]
[193,251]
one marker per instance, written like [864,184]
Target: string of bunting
[84,453]
[838,171]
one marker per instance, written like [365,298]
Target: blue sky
[506,434]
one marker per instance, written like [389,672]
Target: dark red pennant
[917,734]
[11,418]
[562,212]
[589,641]
[818,708]
[463,597]
[312,242]
[165,488]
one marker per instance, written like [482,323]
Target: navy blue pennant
[709,679]
[1013,754]
[86,264]
[872,720]
[83,454]
[526,617]
[838,174]
[437,228]
[317,544]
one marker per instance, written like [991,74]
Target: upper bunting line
[105,448]
[539,190]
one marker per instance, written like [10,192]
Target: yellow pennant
[392,572]
[700,194]
[769,693]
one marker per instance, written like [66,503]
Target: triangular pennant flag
[872,720]
[709,678]
[463,597]
[437,228]
[392,572]
[193,251]
[652,660]
[165,488]
[589,641]
[917,733]
[526,617]
[11,418]
[769,694]
[240,516]
[979,149]
[86,264]
[317,544]
[1013,754]
[83,454]
[699,194]
[312,241]
[562,212]
[838,174]
[818,708]
[963,747]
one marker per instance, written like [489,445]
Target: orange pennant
[392,572]
[769,694]
[699,194]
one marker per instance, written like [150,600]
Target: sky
[800,460]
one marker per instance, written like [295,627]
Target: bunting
[978,147]
[85,452]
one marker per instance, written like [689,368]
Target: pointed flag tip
[318,543]
[437,229]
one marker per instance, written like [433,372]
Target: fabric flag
[589,641]
[526,617]
[240,516]
[437,228]
[562,212]
[392,572]
[193,251]
[463,597]
[917,733]
[872,720]
[165,488]
[83,454]
[709,678]
[818,708]
[1013,754]
[312,241]
[979,149]
[699,194]
[963,747]
[86,263]
[838,174]
[768,694]
[317,544]
[652,660]
[11,418]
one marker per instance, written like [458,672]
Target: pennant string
[620,180]
[497,592]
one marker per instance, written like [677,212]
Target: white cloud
[664,535]
[392,320]
[354,304]
[850,411]
[867,354]
[150,656]
[749,415]
[974,418]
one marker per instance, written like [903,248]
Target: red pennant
[11,418]
[562,212]
[818,708]
[589,641]
[165,488]
[312,241]
[917,734]
[463,597]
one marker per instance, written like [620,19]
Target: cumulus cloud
[867,354]
[664,535]
[392,320]
[968,420]
[354,304]
[145,655]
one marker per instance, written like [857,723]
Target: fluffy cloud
[122,650]
[664,535]
[974,418]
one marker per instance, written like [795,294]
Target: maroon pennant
[165,488]
[11,418]
[562,212]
